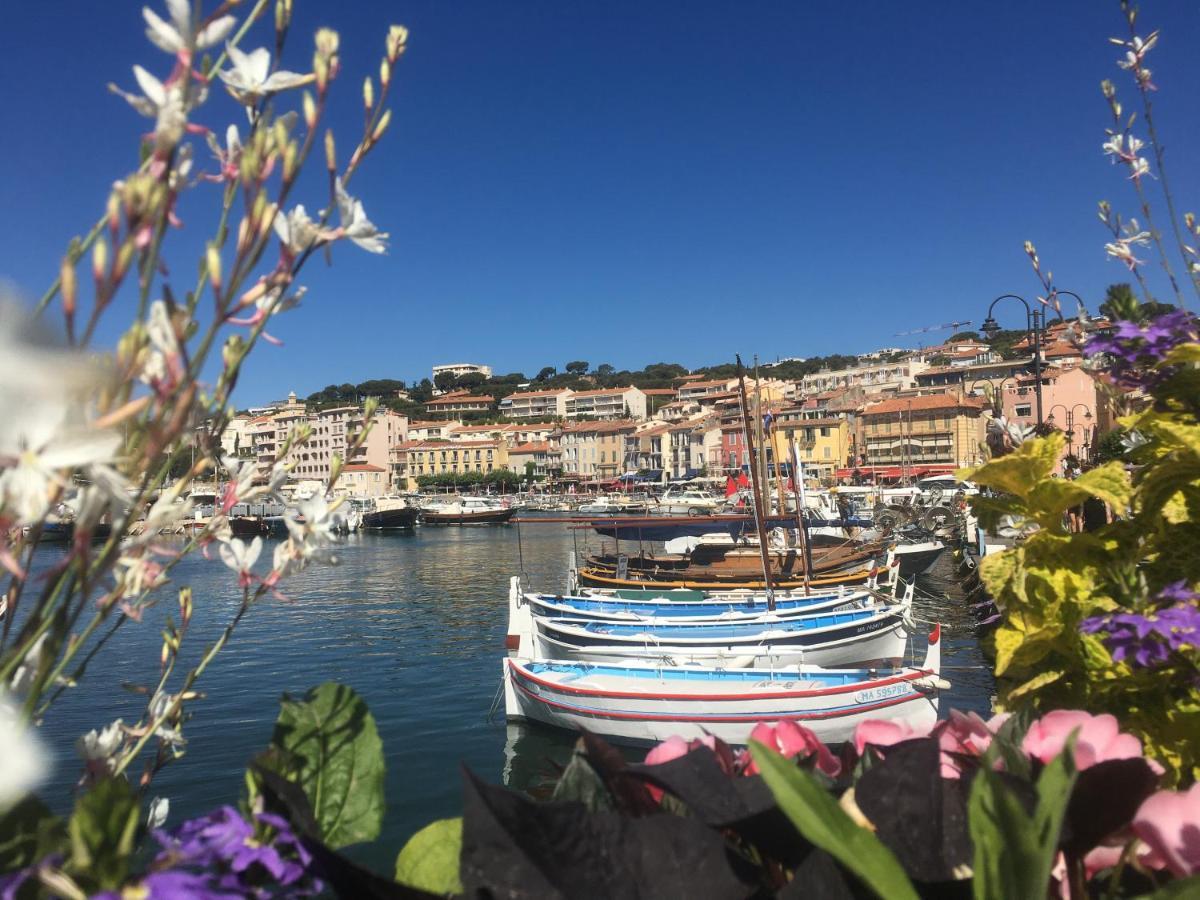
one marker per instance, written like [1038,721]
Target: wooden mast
[764,551]
[801,522]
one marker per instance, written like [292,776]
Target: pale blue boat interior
[679,610]
[829,677]
[723,629]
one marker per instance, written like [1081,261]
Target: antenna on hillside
[931,328]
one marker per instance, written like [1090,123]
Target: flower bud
[335,468]
[267,222]
[233,351]
[327,42]
[384,121]
[330,151]
[283,14]
[397,42]
[291,155]
[385,72]
[70,288]
[310,110]
[368,93]
[212,257]
[99,259]
[185,605]
[113,211]
[321,72]
[257,208]
[124,258]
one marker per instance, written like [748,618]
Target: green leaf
[1014,854]
[1020,471]
[580,782]
[102,830]
[29,832]
[1183,889]
[429,861]
[819,818]
[329,745]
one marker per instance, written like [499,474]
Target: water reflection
[415,623]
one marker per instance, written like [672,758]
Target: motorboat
[466,511]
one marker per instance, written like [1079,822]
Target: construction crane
[932,328]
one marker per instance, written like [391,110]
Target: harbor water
[415,623]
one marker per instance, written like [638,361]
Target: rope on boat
[491,716]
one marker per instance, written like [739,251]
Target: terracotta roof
[659,392]
[929,401]
[455,445]
[614,425]
[554,393]
[461,398]
[363,467]
[599,391]
[530,448]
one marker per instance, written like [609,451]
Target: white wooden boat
[466,511]
[694,606]
[640,704]
[867,635]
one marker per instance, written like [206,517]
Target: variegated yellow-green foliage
[1052,580]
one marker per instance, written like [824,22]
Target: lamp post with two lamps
[1070,423]
[1035,325]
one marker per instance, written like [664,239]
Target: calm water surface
[413,622]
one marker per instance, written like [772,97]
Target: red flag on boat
[731,487]
[743,481]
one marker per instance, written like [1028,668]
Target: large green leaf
[328,745]
[1018,472]
[429,861]
[1014,853]
[819,818]
[28,833]
[102,830]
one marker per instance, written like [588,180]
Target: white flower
[168,105]
[311,523]
[101,745]
[25,760]
[356,225]
[26,489]
[23,676]
[156,815]
[166,512]
[240,557]
[297,231]
[178,35]
[248,80]
[158,710]
[135,575]
[163,364]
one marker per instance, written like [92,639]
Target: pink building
[1070,403]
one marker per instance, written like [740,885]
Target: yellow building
[822,444]
[436,458]
[363,480]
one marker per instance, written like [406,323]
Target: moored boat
[390,513]
[640,703]
[466,511]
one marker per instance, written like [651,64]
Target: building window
[1023,409]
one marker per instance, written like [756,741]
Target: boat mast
[801,522]
[758,512]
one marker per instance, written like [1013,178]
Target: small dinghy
[640,704]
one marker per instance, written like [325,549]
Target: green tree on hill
[577,367]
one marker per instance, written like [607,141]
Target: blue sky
[640,182]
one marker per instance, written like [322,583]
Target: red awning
[898,471]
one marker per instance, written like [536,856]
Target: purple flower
[176,884]
[1135,348]
[224,844]
[1148,639]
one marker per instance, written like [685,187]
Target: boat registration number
[885,692]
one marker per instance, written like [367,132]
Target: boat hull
[617,610]
[655,704]
[594,577]
[916,559]
[400,517]
[486,517]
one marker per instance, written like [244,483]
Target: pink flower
[673,748]
[794,741]
[961,735]
[1169,823]
[1099,738]
[883,733]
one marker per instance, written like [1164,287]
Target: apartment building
[435,430]
[538,405]
[457,369]
[693,390]
[607,403]
[873,376]
[823,444]
[459,402]
[440,457]
[923,434]
[363,480]
[538,459]
[594,449]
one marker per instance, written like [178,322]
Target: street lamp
[1035,324]
[1070,423]
[997,390]
[1078,300]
